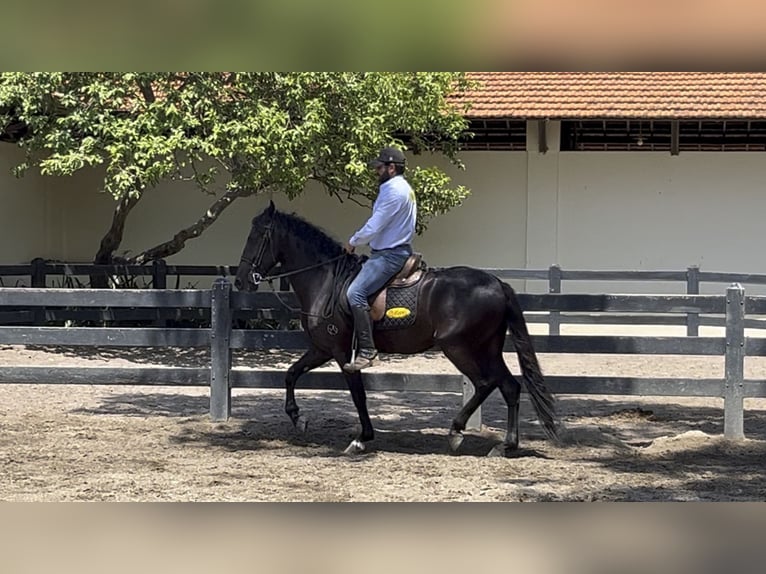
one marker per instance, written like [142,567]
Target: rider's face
[384,172]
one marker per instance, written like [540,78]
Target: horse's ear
[272,207]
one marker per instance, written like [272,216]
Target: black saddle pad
[401,307]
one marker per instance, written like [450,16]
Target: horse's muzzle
[251,284]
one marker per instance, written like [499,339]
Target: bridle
[255,263]
[256,277]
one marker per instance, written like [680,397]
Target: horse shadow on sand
[405,423]
[417,423]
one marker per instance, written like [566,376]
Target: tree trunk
[113,238]
[179,240]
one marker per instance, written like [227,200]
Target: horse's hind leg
[311,359]
[487,371]
[483,390]
[469,366]
[511,390]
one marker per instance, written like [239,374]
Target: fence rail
[222,338]
[39,271]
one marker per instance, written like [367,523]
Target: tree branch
[179,240]
[147,91]
[335,191]
[353,199]
[113,236]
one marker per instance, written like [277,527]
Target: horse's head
[260,254]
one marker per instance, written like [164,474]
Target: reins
[257,278]
[270,278]
[332,301]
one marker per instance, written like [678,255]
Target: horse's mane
[324,247]
[317,238]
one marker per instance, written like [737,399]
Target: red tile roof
[670,95]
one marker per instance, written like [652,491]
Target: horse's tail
[543,401]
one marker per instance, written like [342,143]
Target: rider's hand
[349,248]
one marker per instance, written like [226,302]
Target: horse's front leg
[359,396]
[311,359]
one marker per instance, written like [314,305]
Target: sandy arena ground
[81,442]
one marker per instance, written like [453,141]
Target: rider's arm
[385,207]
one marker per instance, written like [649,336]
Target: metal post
[733,390]
[693,288]
[220,351]
[474,422]
[554,286]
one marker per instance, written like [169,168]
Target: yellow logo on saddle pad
[398,313]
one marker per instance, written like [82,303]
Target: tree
[232,135]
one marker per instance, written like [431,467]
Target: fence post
[554,286]
[220,350]
[693,288]
[733,390]
[37,279]
[38,272]
[159,274]
[284,315]
[474,421]
[160,281]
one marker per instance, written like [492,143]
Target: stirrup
[362,361]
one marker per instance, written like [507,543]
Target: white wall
[488,230]
[24,211]
[587,210]
[656,211]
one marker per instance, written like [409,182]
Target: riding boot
[367,353]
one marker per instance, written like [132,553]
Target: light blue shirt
[392,222]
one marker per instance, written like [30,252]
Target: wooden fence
[221,339]
[158,274]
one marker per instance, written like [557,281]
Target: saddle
[410,273]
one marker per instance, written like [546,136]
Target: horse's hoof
[455,440]
[301,424]
[356,447]
[503,450]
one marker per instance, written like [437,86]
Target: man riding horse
[465,312]
[388,231]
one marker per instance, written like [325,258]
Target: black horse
[465,312]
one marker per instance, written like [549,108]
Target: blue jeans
[376,271]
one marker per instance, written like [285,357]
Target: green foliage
[238,133]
